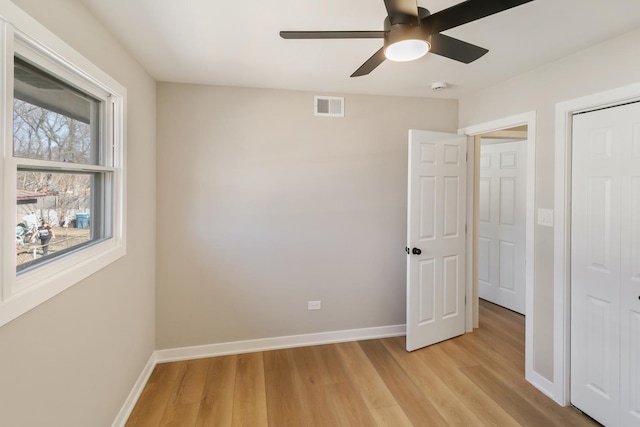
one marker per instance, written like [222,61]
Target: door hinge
[465,229]
[466,156]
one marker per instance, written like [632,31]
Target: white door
[605,265]
[630,271]
[502,224]
[436,238]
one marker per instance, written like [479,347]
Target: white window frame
[20,34]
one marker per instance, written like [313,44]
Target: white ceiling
[236,43]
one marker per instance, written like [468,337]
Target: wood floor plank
[184,403]
[391,416]
[447,403]
[497,342]
[460,357]
[365,377]
[497,319]
[249,397]
[505,339]
[409,397]
[507,315]
[180,415]
[488,341]
[485,409]
[155,395]
[503,313]
[525,413]
[473,343]
[283,399]
[565,416]
[500,366]
[310,384]
[348,405]
[331,364]
[190,382]
[216,406]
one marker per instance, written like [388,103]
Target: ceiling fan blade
[402,11]
[467,11]
[332,34]
[370,64]
[455,49]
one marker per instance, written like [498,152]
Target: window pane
[52,120]
[64,201]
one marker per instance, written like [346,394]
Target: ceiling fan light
[407,50]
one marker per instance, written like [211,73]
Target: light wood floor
[473,380]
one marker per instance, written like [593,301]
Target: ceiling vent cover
[329,106]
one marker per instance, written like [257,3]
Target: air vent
[329,106]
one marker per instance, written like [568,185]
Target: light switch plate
[545,217]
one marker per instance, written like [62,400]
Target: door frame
[562,230]
[529,119]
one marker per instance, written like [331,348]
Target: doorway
[525,125]
[426,153]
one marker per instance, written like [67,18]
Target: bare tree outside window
[42,134]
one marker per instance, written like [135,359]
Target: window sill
[35,287]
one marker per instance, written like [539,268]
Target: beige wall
[73,360]
[262,207]
[612,64]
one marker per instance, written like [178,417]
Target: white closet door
[605,265]
[502,224]
[630,270]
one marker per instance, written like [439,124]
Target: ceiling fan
[411,31]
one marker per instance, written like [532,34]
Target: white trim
[275,343]
[562,231]
[528,119]
[500,124]
[7,177]
[542,384]
[19,33]
[248,346]
[53,45]
[136,391]
[469,300]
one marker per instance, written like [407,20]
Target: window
[56,134]
[63,167]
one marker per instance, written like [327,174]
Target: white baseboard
[249,346]
[264,344]
[134,395]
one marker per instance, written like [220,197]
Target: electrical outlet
[314,305]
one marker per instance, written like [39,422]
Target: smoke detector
[437,86]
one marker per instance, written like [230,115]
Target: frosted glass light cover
[407,50]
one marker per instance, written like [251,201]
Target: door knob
[416,251]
